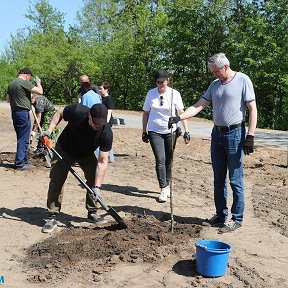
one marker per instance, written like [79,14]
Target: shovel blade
[48,160]
[117,217]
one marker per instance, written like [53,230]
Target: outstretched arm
[190,112]
[194,109]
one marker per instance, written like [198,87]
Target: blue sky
[12,15]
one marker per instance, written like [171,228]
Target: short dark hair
[85,87]
[106,85]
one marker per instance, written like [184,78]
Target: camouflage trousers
[44,123]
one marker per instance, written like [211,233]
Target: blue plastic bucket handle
[213,249]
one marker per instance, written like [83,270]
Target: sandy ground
[147,254]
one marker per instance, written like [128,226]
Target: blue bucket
[212,257]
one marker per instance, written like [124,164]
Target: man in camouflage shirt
[44,111]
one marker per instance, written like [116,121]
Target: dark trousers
[58,175]
[163,146]
[22,127]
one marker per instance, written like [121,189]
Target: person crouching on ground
[44,112]
[86,130]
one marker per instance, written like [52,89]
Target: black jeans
[163,148]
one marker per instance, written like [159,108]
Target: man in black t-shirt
[108,102]
[87,129]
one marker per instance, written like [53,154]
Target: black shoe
[230,226]
[94,217]
[214,221]
[50,225]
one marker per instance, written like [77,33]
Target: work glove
[96,193]
[173,120]
[145,137]
[45,133]
[37,80]
[248,145]
[186,137]
[178,132]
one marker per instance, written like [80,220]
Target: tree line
[125,41]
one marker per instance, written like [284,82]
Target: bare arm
[184,122]
[252,117]
[145,121]
[58,116]
[194,109]
[37,89]
[101,168]
[109,115]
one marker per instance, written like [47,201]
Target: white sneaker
[165,193]
[168,191]
[163,196]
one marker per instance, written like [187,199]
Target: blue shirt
[90,98]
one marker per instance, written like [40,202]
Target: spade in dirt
[108,209]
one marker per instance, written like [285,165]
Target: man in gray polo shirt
[230,94]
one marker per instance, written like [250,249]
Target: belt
[229,128]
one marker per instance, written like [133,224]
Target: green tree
[129,33]
[259,46]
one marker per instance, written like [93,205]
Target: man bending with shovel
[86,130]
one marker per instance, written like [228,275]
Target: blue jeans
[22,126]
[227,154]
[162,148]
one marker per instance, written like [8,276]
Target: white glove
[37,80]
[45,133]
[96,193]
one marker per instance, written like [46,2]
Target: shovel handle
[110,210]
[36,120]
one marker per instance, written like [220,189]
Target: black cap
[25,70]
[161,75]
[99,113]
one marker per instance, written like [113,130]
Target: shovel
[108,209]
[48,154]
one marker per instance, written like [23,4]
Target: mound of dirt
[98,250]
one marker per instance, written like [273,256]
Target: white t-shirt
[160,114]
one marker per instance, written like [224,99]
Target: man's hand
[96,193]
[45,133]
[248,146]
[145,137]
[173,120]
[186,137]
[37,80]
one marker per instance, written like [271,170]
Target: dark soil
[98,250]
